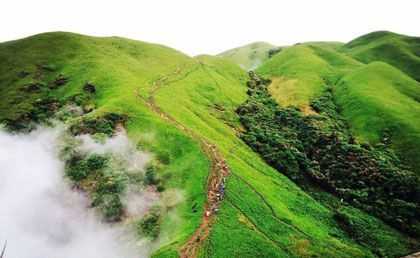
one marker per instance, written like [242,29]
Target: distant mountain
[249,56]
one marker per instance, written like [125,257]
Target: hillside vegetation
[382,102]
[183,111]
[360,113]
[300,73]
[319,148]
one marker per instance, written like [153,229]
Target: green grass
[298,75]
[249,56]
[378,99]
[300,72]
[264,214]
[398,50]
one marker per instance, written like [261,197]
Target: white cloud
[41,217]
[118,145]
[210,26]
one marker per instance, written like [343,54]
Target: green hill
[118,68]
[397,50]
[178,108]
[249,56]
[380,101]
[378,104]
[299,73]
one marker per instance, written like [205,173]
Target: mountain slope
[249,56]
[176,104]
[380,101]
[299,73]
[251,197]
[117,68]
[397,50]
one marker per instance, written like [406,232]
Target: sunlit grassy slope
[264,213]
[380,100]
[397,50]
[249,56]
[375,98]
[301,72]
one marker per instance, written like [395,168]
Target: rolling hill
[381,101]
[301,73]
[400,51]
[249,56]
[183,110]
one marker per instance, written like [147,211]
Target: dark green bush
[111,183]
[95,161]
[79,168]
[150,177]
[110,205]
[149,225]
[105,185]
[105,124]
[39,112]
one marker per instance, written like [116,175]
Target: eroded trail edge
[215,180]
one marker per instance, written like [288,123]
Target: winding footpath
[215,180]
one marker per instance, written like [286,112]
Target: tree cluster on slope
[320,148]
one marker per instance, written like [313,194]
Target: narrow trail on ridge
[217,174]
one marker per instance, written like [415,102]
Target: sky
[210,26]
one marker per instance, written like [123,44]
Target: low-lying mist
[41,216]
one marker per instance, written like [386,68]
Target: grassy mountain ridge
[300,72]
[395,49]
[264,213]
[248,56]
[381,101]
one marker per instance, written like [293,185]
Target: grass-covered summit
[398,50]
[179,109]
[249,56]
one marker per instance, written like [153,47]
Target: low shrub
[110,205]
[149,225]
[79,168]
[105,124]
[104,183]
